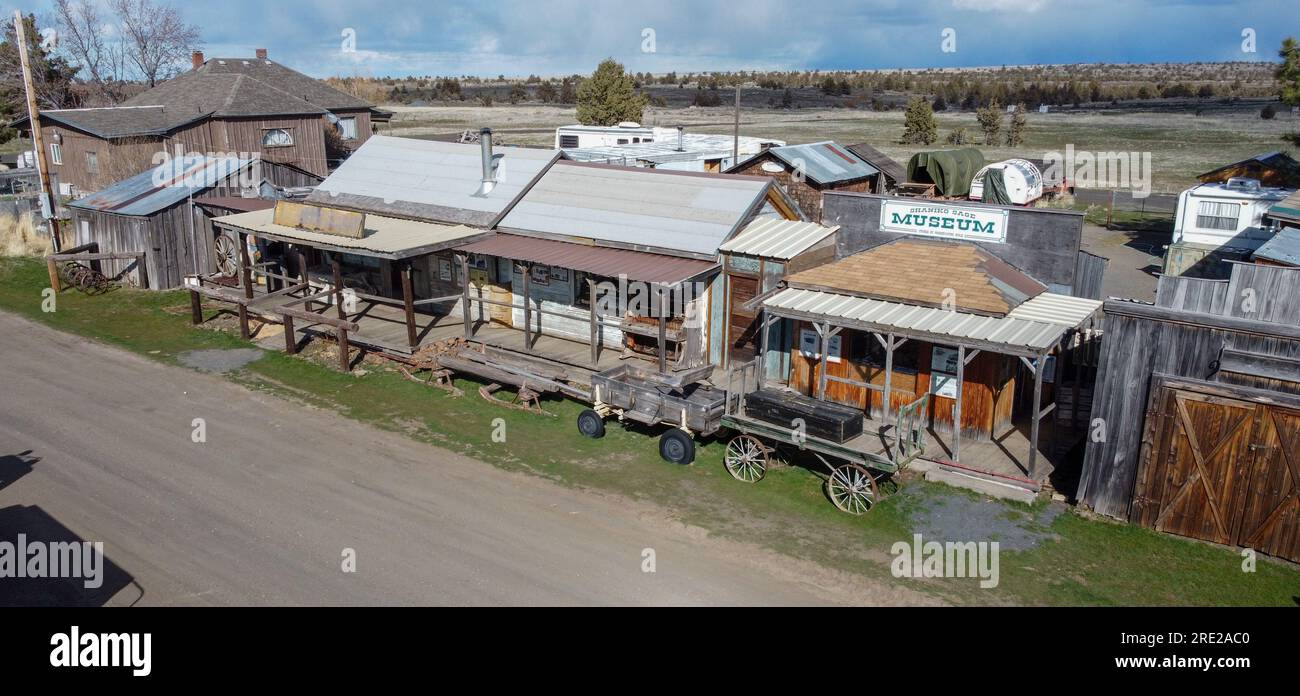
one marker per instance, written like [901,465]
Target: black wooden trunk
[821,419]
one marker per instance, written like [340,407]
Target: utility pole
[735,142]
[38,138]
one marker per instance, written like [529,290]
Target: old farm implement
[856,461]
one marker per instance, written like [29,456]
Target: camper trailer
[1217,223]
[625,133]
[1022,183]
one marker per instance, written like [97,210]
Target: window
[568,141]
[622,141]
[92,162]
[277,137]
[56,153]
[866,349]
[348,128]
[1217,216]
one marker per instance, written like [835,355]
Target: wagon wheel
[746,458]
[852,488]
[227,255]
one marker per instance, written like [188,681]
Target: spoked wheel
[852,488]
[227,255]
[746,458]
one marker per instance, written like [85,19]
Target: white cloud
[1000,5]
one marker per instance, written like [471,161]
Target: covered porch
[879,356]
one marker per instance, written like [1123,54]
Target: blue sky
[557,37]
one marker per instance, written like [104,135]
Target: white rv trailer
[1218,222]
[1024,181]
[625,133]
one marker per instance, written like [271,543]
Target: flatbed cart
[682,400]
[855,467]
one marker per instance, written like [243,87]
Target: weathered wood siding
[1041,242]
[988,391]
[1140,340]
[808,195]
[177,241]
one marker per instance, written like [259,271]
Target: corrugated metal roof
[776,238]
[238,203]
[675,211]
[430,180]
[826,162]
[1055,308]
[606,261]
[384,236]
[1284,247]
[163,186]
[1019,333]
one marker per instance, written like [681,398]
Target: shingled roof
[928,273]
[219,87]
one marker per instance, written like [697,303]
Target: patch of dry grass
[18,237]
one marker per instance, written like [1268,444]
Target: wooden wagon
[682,400]
[855,464]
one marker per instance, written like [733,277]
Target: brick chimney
[196,60]
[261,54]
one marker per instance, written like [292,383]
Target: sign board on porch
[344,223]
[810,346]
[943,371]
[937,219]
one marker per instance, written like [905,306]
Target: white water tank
[1023,181]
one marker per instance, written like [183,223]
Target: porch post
[245,264]
[408,304]
[337,269]
[595,322]
[344,363]
[528,311]
[290,338]
[765,325]
[887,404]
[465,305]
[1076,356]
[1039,365]
[663,330]
[302,274]
[196,308]
[956,409]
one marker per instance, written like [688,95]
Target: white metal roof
[776,238]
[383,235]
[673,211]
[1040,328]
[432,173]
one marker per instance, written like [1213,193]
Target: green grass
[1085,562]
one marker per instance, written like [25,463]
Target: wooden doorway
[743,329]
[1221,463]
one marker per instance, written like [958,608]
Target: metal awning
[1035,330]
[606,261]
[384,237]
[776,238]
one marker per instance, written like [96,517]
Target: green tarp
[949,170]
[995,188]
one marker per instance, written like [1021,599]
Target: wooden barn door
[1220,466]
[1270,509]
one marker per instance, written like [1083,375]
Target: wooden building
[805,172]
[584,230]
[1196,418]
[879,329]
[222,105]
[166,212]
[754,263]
[892,173]
[1272,169]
